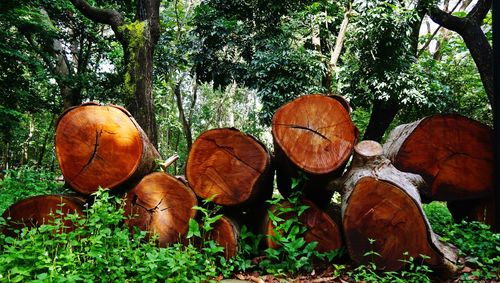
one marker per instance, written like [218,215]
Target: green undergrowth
[101,248]
[26,182]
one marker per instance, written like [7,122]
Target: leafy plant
[25,182]
[101,248]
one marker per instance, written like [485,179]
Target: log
[102,146]
[160,204]
[382,203]
[320,227]
[313,135]
[454,155]
[38,210]
[232,167]
[226,233]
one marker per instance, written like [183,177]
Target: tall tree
[138,40]
[469,28]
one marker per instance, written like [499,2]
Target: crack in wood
[229,150]
[94,154]
[293,126]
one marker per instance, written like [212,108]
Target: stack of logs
[441,157]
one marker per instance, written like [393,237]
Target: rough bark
[382,203]
[230,166]
[38,210]
[313,136]
[102,146]
[160,204]
[469,28]
[320,227]
[454,154]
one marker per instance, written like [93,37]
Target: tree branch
[478,13]
[447,20]
[104,16]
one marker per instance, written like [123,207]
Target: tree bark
[382,212]
[162,205]
[454,154]
[230,166]
[313,139]
[469,28]
[102,146]
[383,113]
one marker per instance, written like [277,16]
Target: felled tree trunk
[381,205]
[160,204]
[320,227]
[453,154]
[101,146]
[230,166]
[226,233]
[38,210]
[313,139]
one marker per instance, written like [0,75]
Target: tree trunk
[382,212]
[320,227]
[469,28]
[383,113]
[102,146]
[162,205]
[38,210]
[230,166]
[454,155]
[313,139]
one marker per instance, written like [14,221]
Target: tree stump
[453,154]
[230,166]
[320,227]
[101,146]
[382,212]
[160,204]
[38,210]
[313,135]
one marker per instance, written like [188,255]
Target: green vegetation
[102,248]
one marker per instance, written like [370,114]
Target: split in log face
[320,227]
[38,210]
[315,132]
[101,146]
[226,233]
[381,211]
[314,135]
[454,154]
[230,165]
[161,205]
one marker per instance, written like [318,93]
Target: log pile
[442,157]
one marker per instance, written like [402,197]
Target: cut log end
[453,153]
[230,166]
[226,233]
[315,132]
[160,204]
[381,213]
[369,148]
[38,210]
[100,146]
[320,227]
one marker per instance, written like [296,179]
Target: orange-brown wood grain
[160,204]
[453,153]
[101,146]
[38,210]
[230,166]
